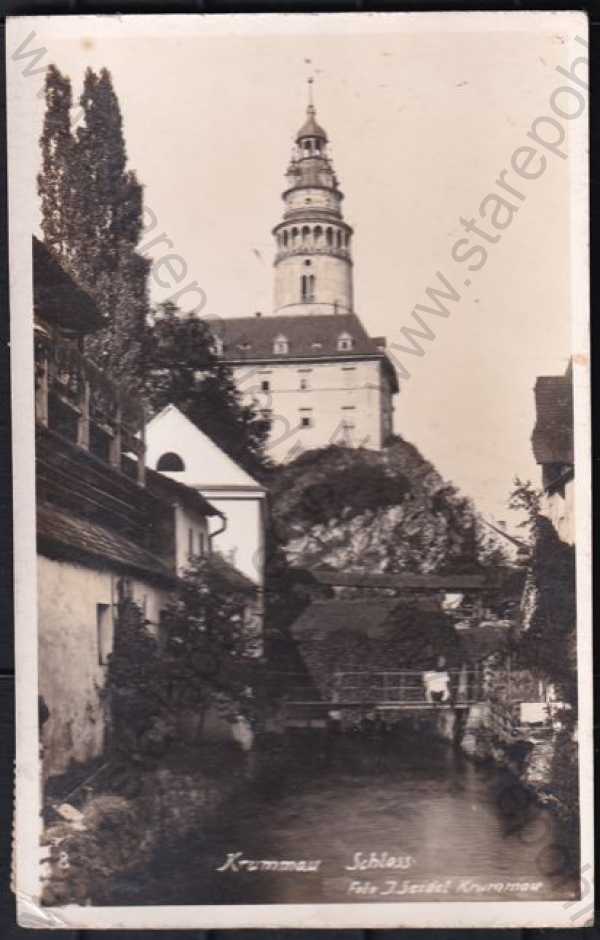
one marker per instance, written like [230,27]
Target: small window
[305,421]
[104,632]
[201,544]
[345,342]
[265,385]
[280,345]
[218,346]
[190,542]
[303,384]
[170,462]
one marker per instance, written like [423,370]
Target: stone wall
[73,655]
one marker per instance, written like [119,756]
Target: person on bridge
[437,683]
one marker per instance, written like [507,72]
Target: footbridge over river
[363,614]
[393,693]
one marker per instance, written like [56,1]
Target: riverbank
[307,798]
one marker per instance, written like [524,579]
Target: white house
[180,450]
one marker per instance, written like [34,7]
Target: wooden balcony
[73,397]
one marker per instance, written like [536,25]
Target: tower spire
[311,105]
[313,263]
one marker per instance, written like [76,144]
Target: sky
[421,120]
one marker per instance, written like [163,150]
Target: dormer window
[345,342]
[280,345]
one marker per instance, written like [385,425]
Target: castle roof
[309,336]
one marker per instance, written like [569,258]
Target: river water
[387,820]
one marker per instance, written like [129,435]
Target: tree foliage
[55,184]
[526,499]
[92,214]
[549,644]
[205,657]
[180,367]
[92,208]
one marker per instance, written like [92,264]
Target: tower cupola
[313,263]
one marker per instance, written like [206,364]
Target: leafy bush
[206,657]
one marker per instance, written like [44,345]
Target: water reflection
[362,808]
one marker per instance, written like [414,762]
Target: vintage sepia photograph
[301,399]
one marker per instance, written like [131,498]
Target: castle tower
[313,264]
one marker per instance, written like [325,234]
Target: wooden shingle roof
[62,534]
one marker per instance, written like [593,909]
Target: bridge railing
[403,687]
[407,687]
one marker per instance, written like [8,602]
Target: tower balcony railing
[311,249]
[76,399]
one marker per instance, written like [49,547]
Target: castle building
[311,367]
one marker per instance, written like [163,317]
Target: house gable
[206,466]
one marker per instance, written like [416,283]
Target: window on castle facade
[306,418]
[345,342]
[307,287]
[281,345]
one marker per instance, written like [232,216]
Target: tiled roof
[356,616]
[253,337]
[165,487]
[231,577]
[552,438]
[65,535]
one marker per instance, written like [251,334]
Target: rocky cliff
[362,510]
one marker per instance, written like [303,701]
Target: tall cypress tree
[55,182]
[109,228]
[92,215]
